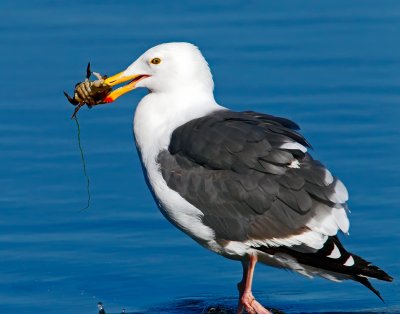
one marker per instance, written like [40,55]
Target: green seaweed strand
[84,165]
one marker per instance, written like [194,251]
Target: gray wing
[252,178]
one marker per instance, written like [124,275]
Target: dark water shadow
[194,306]
[209,305]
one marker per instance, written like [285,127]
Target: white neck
[159,114]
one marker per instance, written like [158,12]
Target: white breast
[155,119]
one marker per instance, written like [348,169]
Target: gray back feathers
[231,166]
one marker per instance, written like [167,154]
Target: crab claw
[71,100]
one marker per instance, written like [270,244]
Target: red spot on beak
[108,100]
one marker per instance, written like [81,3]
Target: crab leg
[76,110]
[71,100]
[88,71]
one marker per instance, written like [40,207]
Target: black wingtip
[372,271]
[366,283]
[385,277]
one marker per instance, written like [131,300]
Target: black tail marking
[366,283]
[359,271]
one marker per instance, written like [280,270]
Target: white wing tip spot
[335,252]
[349,262]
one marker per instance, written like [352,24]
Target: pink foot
[251,305]
[246,299]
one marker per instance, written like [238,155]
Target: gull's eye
[155,61]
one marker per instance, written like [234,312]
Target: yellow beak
[118,79]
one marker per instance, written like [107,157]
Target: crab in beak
[121,78]
[100,91]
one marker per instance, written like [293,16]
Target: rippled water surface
[332,66]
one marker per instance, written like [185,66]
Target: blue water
[332,66]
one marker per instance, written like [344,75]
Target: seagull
[242,184]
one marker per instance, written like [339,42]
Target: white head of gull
[181,89]
[241,184]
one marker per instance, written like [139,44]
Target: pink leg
[246,299]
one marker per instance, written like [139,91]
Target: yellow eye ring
[155,61]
